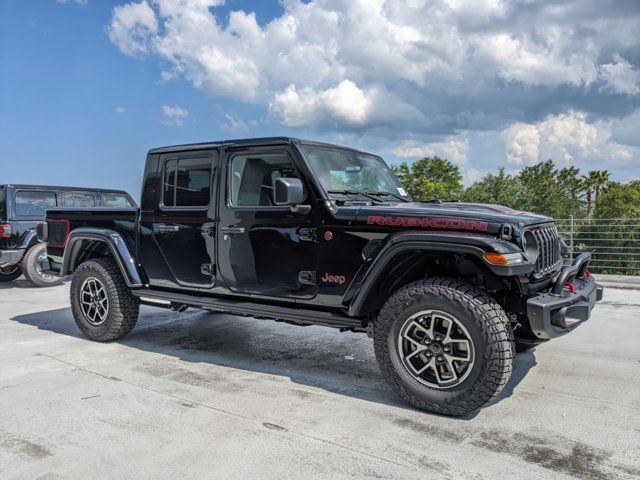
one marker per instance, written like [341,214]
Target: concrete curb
[626,282]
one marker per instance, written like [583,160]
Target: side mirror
[288,191]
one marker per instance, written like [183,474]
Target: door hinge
[208,269]
[306,277]
[307,234]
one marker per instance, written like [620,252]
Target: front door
[264,249]
[183,226]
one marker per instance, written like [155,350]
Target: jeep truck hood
[470,217]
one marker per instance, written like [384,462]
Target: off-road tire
[123,307]
[489,330]
[9,274]
[30,268]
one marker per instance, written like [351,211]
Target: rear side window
[116,200]
[79,200]
[187,182]
[34,204]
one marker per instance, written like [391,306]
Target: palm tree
[602,179]
[593,184]
[588,185]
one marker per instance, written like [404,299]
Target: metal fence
[614,242]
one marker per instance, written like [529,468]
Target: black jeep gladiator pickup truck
[316,234]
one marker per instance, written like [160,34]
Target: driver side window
[252,178]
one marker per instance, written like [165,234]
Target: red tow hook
[572,288]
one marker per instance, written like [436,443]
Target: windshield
[340,171]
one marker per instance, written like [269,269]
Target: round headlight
[530,246]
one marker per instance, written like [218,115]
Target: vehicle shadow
[342,363]
[22,282]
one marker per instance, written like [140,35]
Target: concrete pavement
[201,395]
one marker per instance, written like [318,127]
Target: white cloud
[344,104]
[455,149]
[174,115]
[545,77]
[621,77]
[132,27]
[79,2]
[567,138]
[405,47]
[234,123]
[121,110]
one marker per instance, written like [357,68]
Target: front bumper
[8,258]
[560,310]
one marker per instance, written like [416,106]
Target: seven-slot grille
[548,248]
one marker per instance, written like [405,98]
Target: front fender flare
[475,245]
[114,242]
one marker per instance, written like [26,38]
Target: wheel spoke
[451,368]
[430,364]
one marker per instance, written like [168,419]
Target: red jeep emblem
[329,278]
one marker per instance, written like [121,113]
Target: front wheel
[35,266]
[444,346]
[103,307]
[9,274]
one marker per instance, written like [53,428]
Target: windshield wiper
[355,192]
[389,194]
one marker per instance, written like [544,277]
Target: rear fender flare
[113,240]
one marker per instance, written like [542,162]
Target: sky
[88,86]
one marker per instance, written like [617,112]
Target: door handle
[165,228]
[232,230]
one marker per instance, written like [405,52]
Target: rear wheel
[35,265]
[103,307]
[444,346]
[8,274]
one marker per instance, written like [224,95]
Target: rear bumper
[559,311]
[9,258]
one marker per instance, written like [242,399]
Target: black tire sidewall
[87,270]
[9,277]
[432,301]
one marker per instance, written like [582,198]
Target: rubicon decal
[329,278]
[436,223]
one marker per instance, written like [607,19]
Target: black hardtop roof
[55,187]
[241,142]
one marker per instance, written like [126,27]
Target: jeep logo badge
[328,278]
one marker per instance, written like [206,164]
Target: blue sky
[87,87]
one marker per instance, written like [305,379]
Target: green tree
[501,189]
[429,178]
[620,200]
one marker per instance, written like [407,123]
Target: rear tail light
[5,230]
[58,233]
[42,231]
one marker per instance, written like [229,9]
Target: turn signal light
[504,259]
[495,258]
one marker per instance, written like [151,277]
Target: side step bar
[299,316]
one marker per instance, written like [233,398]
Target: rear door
[183,226]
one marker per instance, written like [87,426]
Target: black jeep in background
[316,234]
[22,207]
